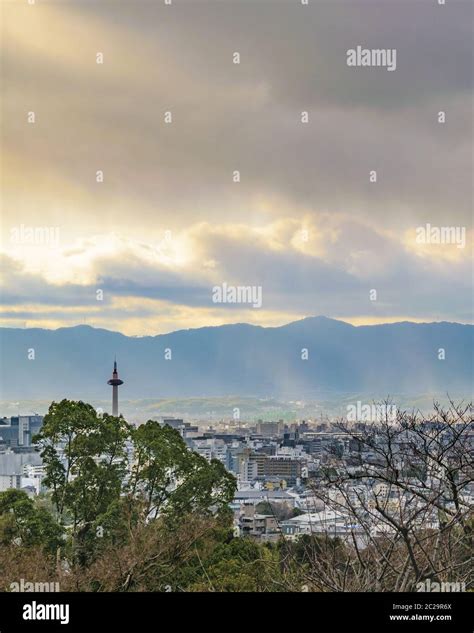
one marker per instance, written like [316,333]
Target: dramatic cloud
[168,222]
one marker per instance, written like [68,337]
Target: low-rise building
[256,525]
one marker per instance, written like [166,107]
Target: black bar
[240,612]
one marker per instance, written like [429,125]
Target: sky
[140,248]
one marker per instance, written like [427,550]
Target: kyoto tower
[115,382]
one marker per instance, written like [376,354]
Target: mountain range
[302,359]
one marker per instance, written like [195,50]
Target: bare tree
[398,505]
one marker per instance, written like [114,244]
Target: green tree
[101,495]
[85,461]
[23,523]
[174,480]
[223,563]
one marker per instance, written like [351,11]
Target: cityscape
[236,327]
[322,477]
